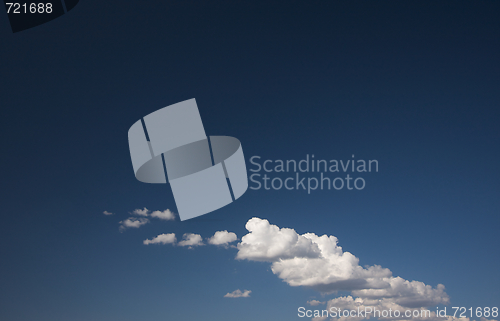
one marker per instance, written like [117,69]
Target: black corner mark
[24,15]
[70,4]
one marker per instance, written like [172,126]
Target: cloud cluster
[136,222]
[238,294]
[107,213]
[319,262]
[191,240]
[188,239]
[166,215]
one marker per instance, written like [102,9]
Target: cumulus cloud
[107,213]
[166,215]
[319,262]
[162,239]
[132,222]
[190,239]
[315,302]
[238,294]
[144,212]
[222,238]
[267,242]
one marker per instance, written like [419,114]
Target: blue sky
[413,85]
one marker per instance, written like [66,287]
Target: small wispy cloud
[222,238]
[144,212]
[315,302]
[166,215]
[132,222]
[238,294]
[107,213]
[162,239]
[190,239]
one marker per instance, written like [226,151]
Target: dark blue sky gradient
[414,85]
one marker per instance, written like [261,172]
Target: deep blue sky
[414,85]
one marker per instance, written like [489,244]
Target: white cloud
[406,293]
[107,213]
[238,294]
[315,302]
[267,242]
[162,239]
[166,215]
[190,239]
[132,222]
[144,212]
[222,238]
[318,262]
